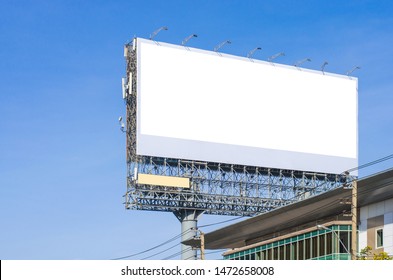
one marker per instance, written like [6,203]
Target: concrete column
[189,224]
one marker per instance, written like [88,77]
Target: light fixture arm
[275,56]
[188,38]
[323,66]
[157,31]
[249,55]
[353,69]
[300,62]
[219,46]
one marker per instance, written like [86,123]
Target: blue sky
[62,155]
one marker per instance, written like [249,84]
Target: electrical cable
[371,163]
[155,247]
[222,222]
[215,251]
[369,190]
[160,252]
[177,254]
[209,253]
[191,257]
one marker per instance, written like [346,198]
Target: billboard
[207,106]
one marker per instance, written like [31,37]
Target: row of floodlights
[250,53]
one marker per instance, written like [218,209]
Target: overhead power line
[161,252]
[222,222]
[371,163]
[177,254]
[155,247]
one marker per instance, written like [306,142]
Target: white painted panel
[372,210]
[363,234]
[364,213]
[207,106]
[389,205]
[388,233]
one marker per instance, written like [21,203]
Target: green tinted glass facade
[331,244]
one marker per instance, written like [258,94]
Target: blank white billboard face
[206,106]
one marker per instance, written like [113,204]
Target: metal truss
[216,188]
[222,189]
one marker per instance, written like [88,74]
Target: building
[316,228]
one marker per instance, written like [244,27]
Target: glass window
[288,252]
[329,243]
[307,248]
[379,238]
[344,244]
[269,254]
[301,250]
[314,247]
[322,245]
[281,252]
[275,253]
[294,255]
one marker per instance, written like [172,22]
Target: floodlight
[323,66]
[353,69]
[156,32]
[188,38]
[323,227]
[275,56]
[300,62]
[219,46]
[249,55]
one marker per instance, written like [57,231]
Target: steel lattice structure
[216,188]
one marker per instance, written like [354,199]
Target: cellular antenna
[353,69]
[249,55]
[121,123]
[219,46]
[157,31]
[300,62]
[188,38]
[275,56]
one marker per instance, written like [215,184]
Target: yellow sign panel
[164,181]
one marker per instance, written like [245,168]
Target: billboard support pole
[354,245]
[189,222]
